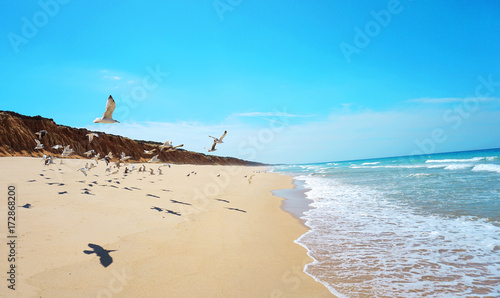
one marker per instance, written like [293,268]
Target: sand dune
[157,235]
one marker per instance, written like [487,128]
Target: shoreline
[193,231]
[295,200]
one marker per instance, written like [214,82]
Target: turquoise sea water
[405,226]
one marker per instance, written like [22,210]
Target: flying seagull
[167,144]
[92,135]
[219,140]
[67,151]
[83,170]
[213,147]
[124,157]
[57,146]
[89,153]
[107,117]
[154,159]
[149,152]
[96,158]
[41,133]
[38,144]
[174,147]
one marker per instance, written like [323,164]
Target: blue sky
[292,82]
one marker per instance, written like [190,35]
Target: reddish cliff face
[17,138]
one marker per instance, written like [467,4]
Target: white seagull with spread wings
[213,147]
[93,134]
[38,144]
[107,117]
[219,140]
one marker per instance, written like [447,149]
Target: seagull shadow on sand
[150,195]
[221,200]
[179,202]
[27,206]
[62,192]
[102,253]
[236,209]
[172,212]
[86,191]
[166,210]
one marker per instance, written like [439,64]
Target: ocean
[415,226]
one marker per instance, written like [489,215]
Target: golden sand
[218,232]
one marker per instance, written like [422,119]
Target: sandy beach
[191,231]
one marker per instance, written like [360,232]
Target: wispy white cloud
[271,114]
[113,77]
[444,100]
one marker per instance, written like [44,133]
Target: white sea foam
[365,244]
[487,167]
[415,166]
[492,158]
[370,163]
[456,160]
[458,166]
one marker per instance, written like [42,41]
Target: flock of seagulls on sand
[107,117]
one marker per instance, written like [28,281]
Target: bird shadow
[126,188]
[87,192]
[236,209]
[27,206]
[102,253]
[179,202]
[133,187]
[172,212]
[62,192]
[221,200]
[33,180]
[166,210]
[150,195]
